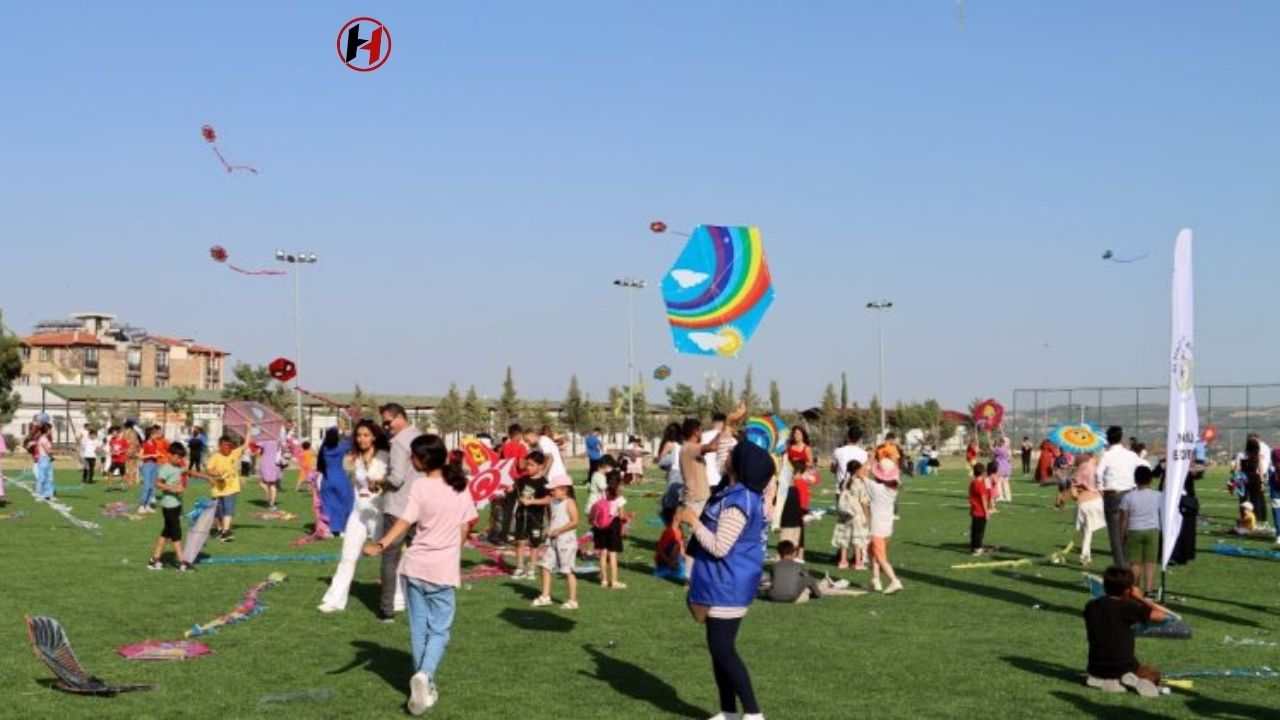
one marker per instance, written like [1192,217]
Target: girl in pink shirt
[441,511]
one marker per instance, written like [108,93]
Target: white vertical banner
[1184,421]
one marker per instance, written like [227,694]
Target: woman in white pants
[367,466]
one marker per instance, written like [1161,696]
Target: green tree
[647,426]
[720,398]
[614,412]
[748,396]
[183,403]
[682,400]
[538,415]
[475,413]
[829,420]
[94,415]
[509,410]
[10,369]
[449,417]
[253,382]
[115,412]
[873,417]
[844,391]
[363,404]
[775,398]
[575,412]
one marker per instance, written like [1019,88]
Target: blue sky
[472,200]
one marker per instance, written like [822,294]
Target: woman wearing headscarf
[336,494]
[729,556]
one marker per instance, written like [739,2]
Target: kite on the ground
[51,646]
[768,432]
[211,136]
[1109,255]
[662,372]
[220,255]
[1078,439]
[163,650]
[718,290]
[988,415]
[245,610]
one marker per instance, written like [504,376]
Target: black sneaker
[155,565]
[386,618]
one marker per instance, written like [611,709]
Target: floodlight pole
[631,285]
[880,306]
[297,260]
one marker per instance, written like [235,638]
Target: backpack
[602,514]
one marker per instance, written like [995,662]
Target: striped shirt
[718,544]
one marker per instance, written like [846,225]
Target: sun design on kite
[732,341]
[1081,436]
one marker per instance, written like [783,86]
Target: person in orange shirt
[889,449]
[306,465]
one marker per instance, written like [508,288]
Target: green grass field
[956,643]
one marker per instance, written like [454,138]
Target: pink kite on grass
[163,650]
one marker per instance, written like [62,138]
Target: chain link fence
[1143,411]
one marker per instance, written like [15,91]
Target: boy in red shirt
[502,509]
[118,447]
[979,508]
[668,560]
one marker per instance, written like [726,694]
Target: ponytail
[431,454]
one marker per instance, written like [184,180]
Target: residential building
[91,349]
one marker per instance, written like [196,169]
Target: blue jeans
[148,495]
[44,477]
[431,609]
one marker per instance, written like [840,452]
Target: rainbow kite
[718,290]
[768,432]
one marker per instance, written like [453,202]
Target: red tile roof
[188,344]
[64,339]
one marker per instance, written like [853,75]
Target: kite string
[229,167]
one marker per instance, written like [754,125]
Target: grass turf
[956,643]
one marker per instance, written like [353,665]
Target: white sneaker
[1110,686]
[327,608]
[570,605]
[875,585]
[541,601]
[419,692]
[1142,686]
[753,716]
[725,716]
[894,587]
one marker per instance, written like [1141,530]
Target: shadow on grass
[1102,710]
[637,683]
[1053,671]
[391,664]
[540,620]
[1184,610]
[1209,707]
[526,592]
[963,549]
[1225,601]
[995,593]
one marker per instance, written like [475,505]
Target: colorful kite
[1210,434]
[163,650]
[220,255]
[492,479]
[768,432]
[1078,438]
[476,454]
[1108,255]
[662,372]
[52,647]
[988,415]
[211,136]
[718,290]
[245,610]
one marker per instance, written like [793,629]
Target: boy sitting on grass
[1108,622]
[668,559]
[789,582]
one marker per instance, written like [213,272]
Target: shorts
[561,554]
[1142,546]
[529,525]
[116,469]
[226,506]
[609,538]
[172,523]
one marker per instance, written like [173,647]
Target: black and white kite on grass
[50,644]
